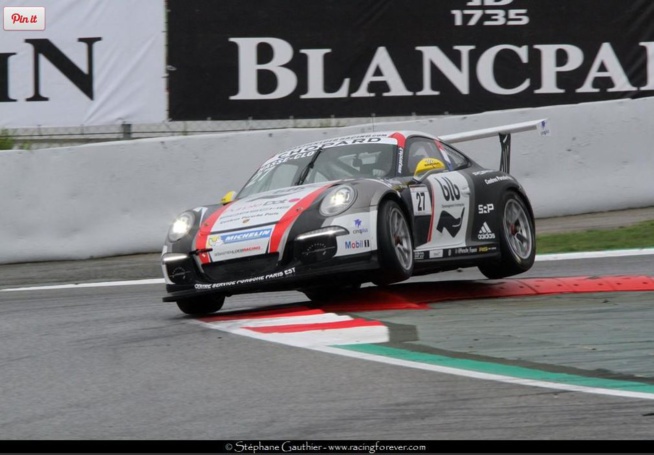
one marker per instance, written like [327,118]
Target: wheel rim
[401,238]
[517,229]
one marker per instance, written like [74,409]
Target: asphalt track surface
[449,356]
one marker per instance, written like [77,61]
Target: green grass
[6,141]
[640,235]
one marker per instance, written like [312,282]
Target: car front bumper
[189,281]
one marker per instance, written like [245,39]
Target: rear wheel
[394,245]
[517,240]
[201,305]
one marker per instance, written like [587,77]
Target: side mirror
[229,197]
[428,164]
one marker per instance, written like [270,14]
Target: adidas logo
[485,233]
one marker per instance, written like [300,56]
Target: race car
[325,217]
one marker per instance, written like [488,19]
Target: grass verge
[640,235]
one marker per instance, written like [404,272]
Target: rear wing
[504,132]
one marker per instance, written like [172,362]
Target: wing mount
[504,133]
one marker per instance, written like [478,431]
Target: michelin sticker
[230,245]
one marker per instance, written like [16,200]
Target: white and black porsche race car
[325,217]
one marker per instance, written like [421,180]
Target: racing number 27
[421,200]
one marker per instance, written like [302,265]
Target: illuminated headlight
[181,226]
[338,200]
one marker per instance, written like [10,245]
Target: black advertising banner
[273,59]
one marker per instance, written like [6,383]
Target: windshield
[332,163]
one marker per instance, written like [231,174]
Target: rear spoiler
[504,132]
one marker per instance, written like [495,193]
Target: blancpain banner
[82,62]
[392,57]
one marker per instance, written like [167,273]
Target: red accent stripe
[542,286]
[266,314]
[433,214]
[317,326]
[204,231]
[401,139]
[591,284]
[529,286]
[630,283]
[355,307]
[290,216]
[417,296]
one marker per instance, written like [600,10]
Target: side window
[453,158]
[419,148]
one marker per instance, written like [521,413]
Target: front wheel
[517,240]
[394,245]
[200,306]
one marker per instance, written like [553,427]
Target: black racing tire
[517,239]
[200,306]
[323,294]
[394,245]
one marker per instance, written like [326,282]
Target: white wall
[126,66]
[119,197]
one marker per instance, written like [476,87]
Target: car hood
[255,224]
[262,208]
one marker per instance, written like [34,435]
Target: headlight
[181,226]
[338,200]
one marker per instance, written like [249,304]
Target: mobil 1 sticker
[420,200]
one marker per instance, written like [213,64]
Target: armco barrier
[119,197]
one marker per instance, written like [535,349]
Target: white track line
[326,342]
[484,376]
[88,285]
[594,254]
[539,257]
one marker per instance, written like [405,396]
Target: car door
[443,197]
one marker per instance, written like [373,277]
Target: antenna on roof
[373,122]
